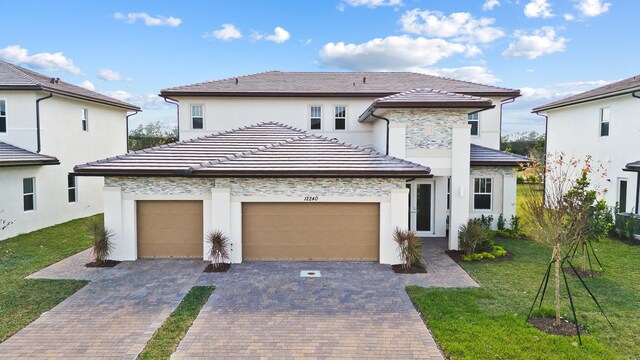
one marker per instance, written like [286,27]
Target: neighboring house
[603,123]
[320,166]
[42,115]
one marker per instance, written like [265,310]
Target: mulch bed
[583,273]
[224,267]
[398,269]
[566,328]
[102,264]
[456,255]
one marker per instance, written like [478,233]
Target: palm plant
[219,251]
[409,247]
[102,245]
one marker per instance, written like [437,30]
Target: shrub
[219,251]
[497,251]
[485,221]
[520,179]
[102,245]
[500,224]
[514,224]
[532,179]
[409,247]
[470,235]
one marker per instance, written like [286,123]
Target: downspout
[505,101]
[546,142]
[387,120]
[637,173]
[176,103]
[38,120]
[136,111]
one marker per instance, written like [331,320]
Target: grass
[165,341]
[524,191]
[490,322]
[23,300]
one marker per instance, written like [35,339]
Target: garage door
[169,229]
[303,231]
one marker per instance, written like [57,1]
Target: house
[603,123]
[46,127]
[313,166]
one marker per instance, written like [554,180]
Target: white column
[509,192]
[220,215]
[236,232]
[398,140]
[124,246]
[460,173]
[393,214]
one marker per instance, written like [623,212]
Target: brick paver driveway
[259,309]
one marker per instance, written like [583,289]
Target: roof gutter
[177,104]
[594,98]
[39,146]
[387,120]
[128,116]
[505,101]
[546,142]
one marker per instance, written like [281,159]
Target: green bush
[470,235]
[500,224]
[485,221]
[497,251]
[520,179]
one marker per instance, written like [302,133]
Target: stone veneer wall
[492,170]
[257,186]
[416,121]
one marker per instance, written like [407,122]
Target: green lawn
[490,322]
[23,300]
[165,341]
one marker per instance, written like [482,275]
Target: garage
[311,231]
[169,229]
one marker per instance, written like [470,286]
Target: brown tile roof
[266,149]
[14,77]
[481,155]
[625,86]
[363,84]
[15,156]
[633,166]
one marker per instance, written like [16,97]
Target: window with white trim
[315,117]
[29,194]
[197,117]
[474,121]
[340,118]
[72,188]
[3,116]
[85,119]
[482,194]
[605,117]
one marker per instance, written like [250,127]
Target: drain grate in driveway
[310,273]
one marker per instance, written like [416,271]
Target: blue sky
[132,49]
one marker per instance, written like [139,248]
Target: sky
[130,50]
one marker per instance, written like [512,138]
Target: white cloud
[145,101]
[111,75]
[490,4]
[148,20]
[390,53]
[226,33]
[306,42]
[460,26]
[372,4]
[542,41]
[472,51]
[279,35]
[87,85]
[44,61]
[538,8]
[478,74]
[569,17]
[592,8]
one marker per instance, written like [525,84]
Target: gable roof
[11,155]
[633,166]
[481,155]
[263,150]
[357,84]
[14,77]
[621,87]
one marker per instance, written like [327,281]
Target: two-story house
[46,127]
[602,123]
[321,166]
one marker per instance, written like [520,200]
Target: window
[448,193]
[482,194]
[340,118]
[3,116]
[605,115]
[474,121]
[85,119]
[72,188]
[315,117]
[29,193]
[197,117]
[622,195]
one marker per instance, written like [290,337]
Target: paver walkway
[358,310]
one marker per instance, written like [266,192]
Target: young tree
[150,135]
[559,217]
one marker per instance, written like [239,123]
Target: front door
[421,202]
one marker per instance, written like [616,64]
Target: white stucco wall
[62,137]
[223,200]
[575,130]
[489,126]
[503,197]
